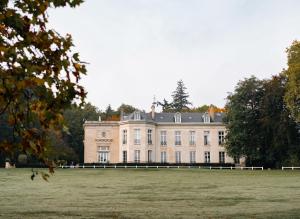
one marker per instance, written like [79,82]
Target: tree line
[263,117]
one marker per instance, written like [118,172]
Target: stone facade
[157,138]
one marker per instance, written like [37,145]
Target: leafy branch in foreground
[39,75]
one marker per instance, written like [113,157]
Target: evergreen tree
[180,97]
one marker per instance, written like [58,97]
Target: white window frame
[163,157]
[137,115]
[206,118]
[124,136]
[192,156]
[221,156]
[137,156]
[163,138]
[137,136]
[192,138]
[221,137]
[206,137]
[177,117]
[206,156]
[177,137]
[149,137]
[177,156]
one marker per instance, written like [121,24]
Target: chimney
[211,112]
[121,114]
[153,111]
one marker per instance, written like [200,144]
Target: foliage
[243,137]
[180,97]
[75,118]
[180,101]
[166,106]
[39,74]
[259,124]
[126,109]
[292,96]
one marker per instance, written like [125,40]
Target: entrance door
[103,157]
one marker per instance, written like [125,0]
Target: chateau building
[157,138]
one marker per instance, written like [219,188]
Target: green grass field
[150,193]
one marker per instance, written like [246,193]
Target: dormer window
[177,118]
[137,115]
[206,118]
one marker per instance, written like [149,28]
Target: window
[137,115]
[221,157]
[150,156]
[206,138]
[207,157]
[192,156]
[221,137]
[206,118]
[163,157]
[163,138]
[192,137]
[124,156]
[177,138]
[103,134]
[149,134]
[137,136]
[124,136]
[103,154]
[177,118]
[137,156]
[178,156]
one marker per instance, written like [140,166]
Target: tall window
[221,157]
[192,156]
[163,138]
[137,156]
[177,138]
[137,115]
[206,138]
[149,134]
[192,138]
[177,118]
[221,137]
[124,156]
[103,154]
[150,156]
[163,157]
[178,156]
[124,140]
[137,136]
[207,157]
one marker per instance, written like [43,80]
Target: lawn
[150,193]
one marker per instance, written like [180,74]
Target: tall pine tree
[180,97]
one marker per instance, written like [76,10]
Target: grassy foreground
[150,193]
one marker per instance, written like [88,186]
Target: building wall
[113,139]
[94,138]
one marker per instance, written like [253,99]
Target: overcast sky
[141,48]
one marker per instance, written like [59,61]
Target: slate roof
[169,117]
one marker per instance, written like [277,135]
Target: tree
[75,118]
[278,128]
[180,97]
[292,95]
[259,123]
[126,109]
[39,74]
[166,106]
[243,113]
